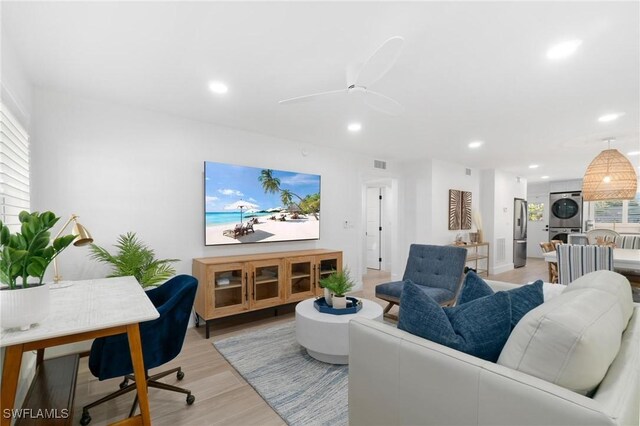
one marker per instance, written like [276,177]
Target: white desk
[85,310]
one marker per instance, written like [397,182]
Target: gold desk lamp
[83,237]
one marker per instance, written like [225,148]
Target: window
[608,211]
[633,210]
[617,211]
[14,169]
[536,212]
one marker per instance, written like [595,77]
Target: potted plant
[339,283]
[135,258]
[24,258]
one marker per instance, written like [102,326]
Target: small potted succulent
[24,258]
[339,284]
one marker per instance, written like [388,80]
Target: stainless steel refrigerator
[519,232]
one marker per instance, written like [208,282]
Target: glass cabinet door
[266,283]
[228,288]
[301,278]
[326,265]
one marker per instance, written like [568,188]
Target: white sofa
[396,378]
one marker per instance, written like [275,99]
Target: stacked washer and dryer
[565,214]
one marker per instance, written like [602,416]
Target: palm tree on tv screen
[307,205]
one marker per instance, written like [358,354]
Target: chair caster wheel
[86,418]
[190,399]
[180,375]
[124,383]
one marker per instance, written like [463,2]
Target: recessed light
[218,87]
[544,177]
[609,117]
[476,144]
[354,127]
[564,49]
[633,153]
[533,166]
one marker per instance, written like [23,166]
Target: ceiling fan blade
[383,103]
[380,62]
[313,97]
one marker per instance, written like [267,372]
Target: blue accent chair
[437,270]
[162,340]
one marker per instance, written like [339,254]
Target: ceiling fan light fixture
[360,79]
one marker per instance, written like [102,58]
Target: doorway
[538,227]
[374,228]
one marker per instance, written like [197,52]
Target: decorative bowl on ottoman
[353,306]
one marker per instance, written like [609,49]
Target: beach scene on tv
[255,205]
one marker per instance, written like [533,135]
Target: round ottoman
[326,336]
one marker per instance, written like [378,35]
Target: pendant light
[610,176]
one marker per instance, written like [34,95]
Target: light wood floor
[222,395]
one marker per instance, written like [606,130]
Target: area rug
[302,390]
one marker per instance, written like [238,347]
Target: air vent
[500,249]
[379,164]
[467,172]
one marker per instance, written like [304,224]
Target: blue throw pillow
[473,288]
[479,328]
[523,299]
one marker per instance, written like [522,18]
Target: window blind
[14,169]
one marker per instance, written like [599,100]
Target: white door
[537,230]
[374,224]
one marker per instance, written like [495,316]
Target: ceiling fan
[360,79]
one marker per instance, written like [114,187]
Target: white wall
[501,189]
[424,203]
[16,90]
[448,176]
[414,209]
[125,169]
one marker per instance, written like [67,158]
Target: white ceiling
[468,70]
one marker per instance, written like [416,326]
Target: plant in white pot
[339,283]
[24,258]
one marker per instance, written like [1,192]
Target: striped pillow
[575,261]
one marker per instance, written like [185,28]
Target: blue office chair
[438,271]
[161,338]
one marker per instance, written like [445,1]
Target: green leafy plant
[28,253]
[339,283]
[135,258]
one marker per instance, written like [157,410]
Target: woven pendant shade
[610,176]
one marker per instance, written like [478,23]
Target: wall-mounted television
[259,205]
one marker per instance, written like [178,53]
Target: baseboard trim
[502,268]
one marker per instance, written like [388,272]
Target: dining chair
[575,261]
[547,247]
[604,235]
[161,338]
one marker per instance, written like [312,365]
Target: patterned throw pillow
[479,328]
[523,299]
